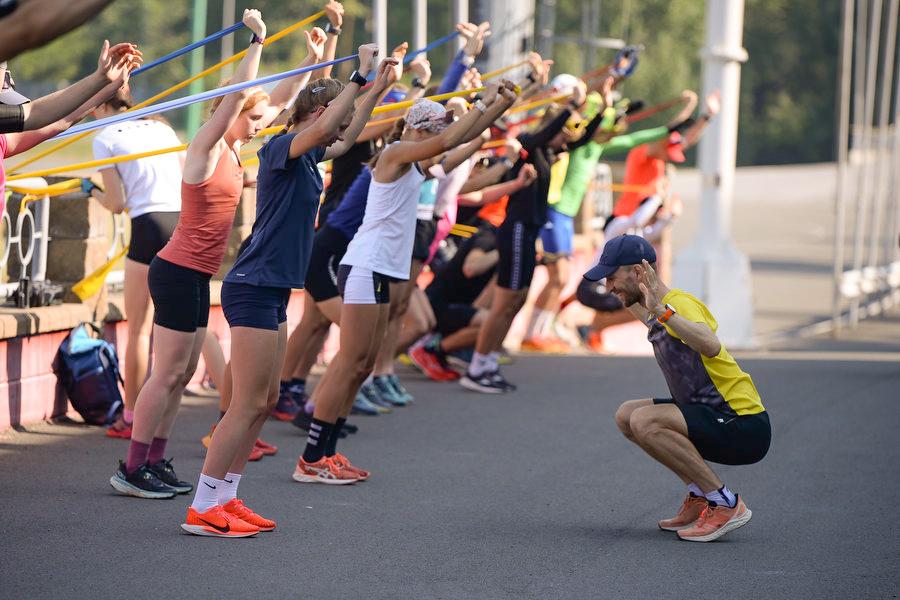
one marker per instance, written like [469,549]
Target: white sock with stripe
[207,493]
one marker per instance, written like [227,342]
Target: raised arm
[287,88]
[202,153]
[113,67]
[335,13]
[422,69]
[493,193]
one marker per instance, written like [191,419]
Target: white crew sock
[478,365]
[207,493]
[228,489]
[695,489]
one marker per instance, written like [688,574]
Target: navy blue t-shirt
[287,198]
[348,216]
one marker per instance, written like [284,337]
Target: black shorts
[451,316]
[725,438]
[328,249]
[180,296]
[593,294]
[254,306]
[149,233]
[515,243]
[425,232]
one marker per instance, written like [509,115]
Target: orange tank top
[495,212]
[207,214]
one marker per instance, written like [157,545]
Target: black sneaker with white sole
[500,381]
[484,383]
[165,473]
[141,483]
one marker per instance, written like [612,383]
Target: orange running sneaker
[206,439]
[323,471]
[216,522]
[255,454]
[237,508]
[716,521]
[119,429]
[266,449]
[343,462]
[688,513]
[546,344]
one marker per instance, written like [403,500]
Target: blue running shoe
[368,390]
[362,406]
[386,391]
[398,387]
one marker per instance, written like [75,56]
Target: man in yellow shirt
[715,413]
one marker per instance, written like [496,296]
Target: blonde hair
[316,93]
[255,96]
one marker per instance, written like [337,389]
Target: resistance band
[187,49]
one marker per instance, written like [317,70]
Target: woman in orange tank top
[179,275]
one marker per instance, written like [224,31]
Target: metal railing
[30,236]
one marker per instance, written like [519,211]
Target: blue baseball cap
[623,250]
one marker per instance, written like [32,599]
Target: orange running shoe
[255,454]
[546,344]
[343,462]
[119,429]
[716,521]
[266,449]
[323,470]
[206,438]
[432,365]
[237,508]
[688,513]
[217,522]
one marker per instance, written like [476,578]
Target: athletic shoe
[217,522]
[398,387]
[287,407]
[368,390]
[592,339]
[266,449]
[237,508]
[323,471]
[386,391]
[302,420]
[505,358]
[119,429]
[165,473]
[545,344]
[715,521]
[501,381]
[141,483]
[483,383]
[208,438]
[350,428]
[404,359]
[361,406]
[461,358]
[343,462]
[255,454]
[688,513]
[432,364]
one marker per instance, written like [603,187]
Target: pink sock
[157,450]
[128,416]
[137,455]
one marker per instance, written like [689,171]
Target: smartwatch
[329,28]
[417,84]
[670,310]
[358,79]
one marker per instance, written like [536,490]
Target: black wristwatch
[358,79]
[329,28]
[417,84]
[255,39]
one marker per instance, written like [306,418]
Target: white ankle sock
[228,489]
[695,489]
[478,365]
[207,493]
[722,496]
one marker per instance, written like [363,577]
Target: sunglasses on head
[8,81]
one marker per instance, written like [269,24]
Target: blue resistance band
[408,58]
[187,49]
[201,97]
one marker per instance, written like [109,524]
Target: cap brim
[600,272]
[12,98]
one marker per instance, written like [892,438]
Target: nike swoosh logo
[228,481]
[209,486]
[225,529]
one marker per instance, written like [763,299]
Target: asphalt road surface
[533,494]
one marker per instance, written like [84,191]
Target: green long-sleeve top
[585,157]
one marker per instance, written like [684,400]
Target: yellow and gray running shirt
[716,381]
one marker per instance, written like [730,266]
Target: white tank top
[384,241]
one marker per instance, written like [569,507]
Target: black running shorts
[149,233]
[180,296]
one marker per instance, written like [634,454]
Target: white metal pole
[459,14]
[711,267]
[420,24]
[379,24]
[845,71]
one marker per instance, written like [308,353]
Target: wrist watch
[670,310]
[480,106]
[417,84]
[358,79]
[329,28]
[255,39]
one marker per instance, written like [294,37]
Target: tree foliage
[787,85]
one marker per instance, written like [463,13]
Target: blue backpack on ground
[88,370]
